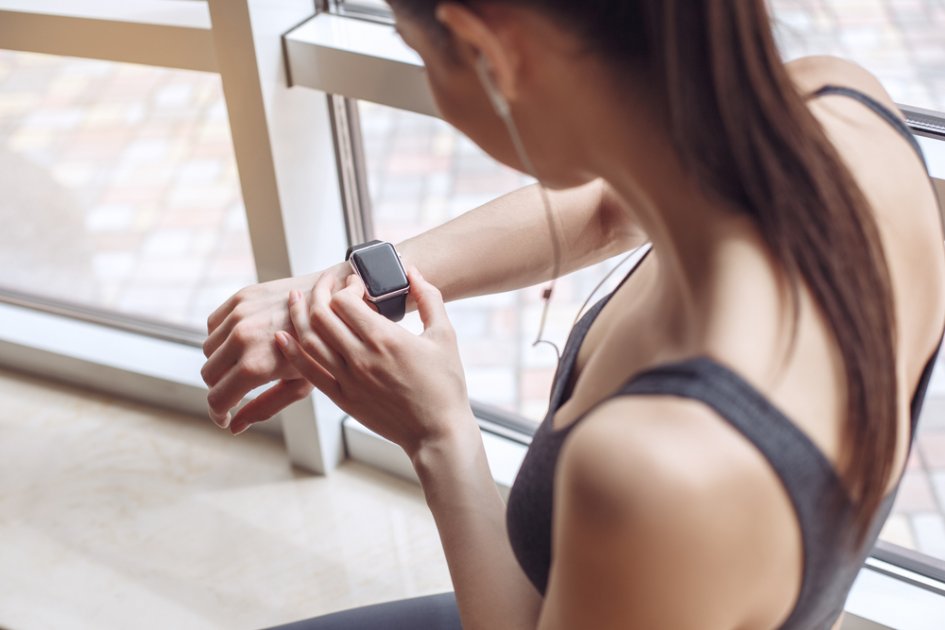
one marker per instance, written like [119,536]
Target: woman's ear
[484,42]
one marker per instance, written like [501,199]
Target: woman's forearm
[506,244]
[492,591]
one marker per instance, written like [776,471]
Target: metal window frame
[286,163]
[926,122]
[131,32]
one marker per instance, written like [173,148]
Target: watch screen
[380,269]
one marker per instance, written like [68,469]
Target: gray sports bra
[831,559]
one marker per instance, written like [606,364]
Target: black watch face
[380,269]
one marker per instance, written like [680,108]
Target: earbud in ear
[499,103]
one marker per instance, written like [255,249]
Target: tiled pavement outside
[120,190]
[119,187]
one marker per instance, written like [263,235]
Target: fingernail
[282,339]
[293,297]
[241,429]
[221,421]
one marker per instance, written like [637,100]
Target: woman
[728,428]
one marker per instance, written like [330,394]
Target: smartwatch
[378,265]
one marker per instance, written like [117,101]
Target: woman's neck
[633,151]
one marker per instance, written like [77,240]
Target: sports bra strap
[797,459]
[878,108]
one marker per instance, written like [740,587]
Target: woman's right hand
[242,354]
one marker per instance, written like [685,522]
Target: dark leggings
[433,612]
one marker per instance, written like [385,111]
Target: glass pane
[377,8]
[421,173]
[120,188]
[900,42]
[918,519]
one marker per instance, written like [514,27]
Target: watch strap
[393,308]
[355,248]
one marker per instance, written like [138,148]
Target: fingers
[307,366]
[218,316]
[349,305]
[269,403]
[221,361]
[429,301]
[230,390]
[327,284]
[312,343]
[218,334]
[325,323]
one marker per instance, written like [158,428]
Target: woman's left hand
[408,388]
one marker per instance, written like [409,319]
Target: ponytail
[738,120]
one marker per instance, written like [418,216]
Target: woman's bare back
[747,331]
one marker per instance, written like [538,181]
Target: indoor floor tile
[117,515]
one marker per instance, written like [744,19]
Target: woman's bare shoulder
[897,187]
[816,71]
[666,479]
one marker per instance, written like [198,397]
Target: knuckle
[378,372]
[241,310]
[238,299]
[250,369]
[358,365]
[340,300]
[309,343]
[301,389]
[242,334]
[320,316]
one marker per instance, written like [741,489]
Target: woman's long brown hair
[740,124]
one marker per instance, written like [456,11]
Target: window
[99,330]
[900,42]
[121,195]
[420,173]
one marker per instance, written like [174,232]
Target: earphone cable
[549,218]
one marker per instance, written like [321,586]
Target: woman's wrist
[454,449]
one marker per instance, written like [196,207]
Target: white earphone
[499,103]
[502,108]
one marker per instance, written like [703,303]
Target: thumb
[429,301]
